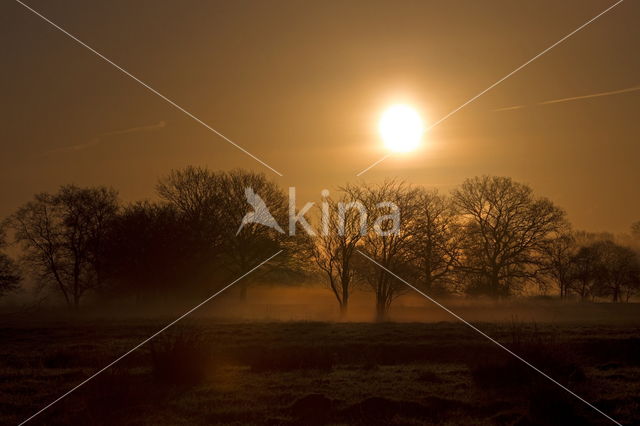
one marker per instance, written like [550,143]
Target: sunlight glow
[401,128]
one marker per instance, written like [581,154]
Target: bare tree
[334,248]
[616,269]
[245,248]
[62,236]
[584,272]
[631,286]
[149,253]
[214,204]
[506,230]
[196,193]
[558,261]
[10,276]
[435,247]
[386,242]
[192,190]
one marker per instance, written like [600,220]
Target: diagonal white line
[482,333]
[507,76]
[149,87]
[374,164]
[150,338]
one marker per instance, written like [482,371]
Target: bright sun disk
[401,128]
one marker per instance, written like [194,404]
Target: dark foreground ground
[312,373]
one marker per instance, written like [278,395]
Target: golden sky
[302,84]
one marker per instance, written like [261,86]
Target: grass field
[296,372]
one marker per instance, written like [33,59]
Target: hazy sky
[301,85]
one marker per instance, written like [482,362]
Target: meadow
[229,371]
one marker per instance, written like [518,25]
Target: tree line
[490,236]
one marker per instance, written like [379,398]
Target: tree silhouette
[149,253]
[389,249]
[334,248]
[245,249]
[491,236]
[10,276]
[62,236]
[213,205]
[506,230]
[558,263]
[585,272]
[435,246]
[616,270]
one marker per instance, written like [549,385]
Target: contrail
[572,98]
[95,141]
[593,95]
[510,108]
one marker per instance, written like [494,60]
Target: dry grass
[181,357]
[318,373]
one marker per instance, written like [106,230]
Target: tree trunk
[494,283]
[344,303]
[382,312]
[428,282]
[67,299]
[616,294]
[344,307]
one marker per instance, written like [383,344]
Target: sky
[301,86]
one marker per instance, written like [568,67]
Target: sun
[401,128]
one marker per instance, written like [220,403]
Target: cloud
[99,138]
[573,98]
